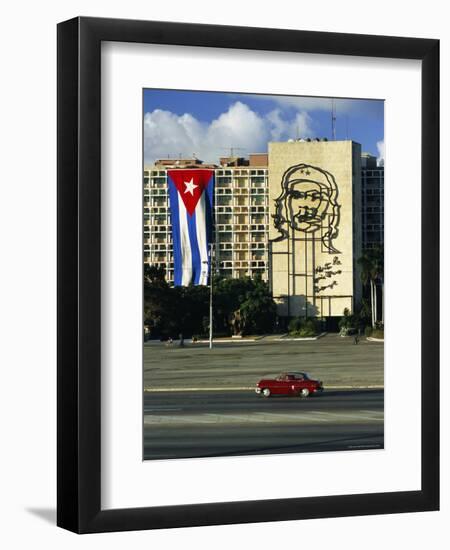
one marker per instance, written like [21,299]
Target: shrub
[306,333]
[295,325]
[304,327]
[348,331]
[347,323]
[374,332]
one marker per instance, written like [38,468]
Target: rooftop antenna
[333,120]
[346,127]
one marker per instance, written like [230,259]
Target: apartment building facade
[372,202]
[241,217]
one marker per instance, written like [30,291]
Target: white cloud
[380,147]
[303,103]
[301,125]
[166,133]
[278,125]
[281,128]
[308,104]
[238,127]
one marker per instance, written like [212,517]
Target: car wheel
[266,392]
[304,392]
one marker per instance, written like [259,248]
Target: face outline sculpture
[307,204]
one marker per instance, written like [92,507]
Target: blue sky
[207,124]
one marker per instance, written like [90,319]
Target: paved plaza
[337,361]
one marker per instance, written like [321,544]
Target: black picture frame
[79,278]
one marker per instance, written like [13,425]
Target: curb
[312,338]
[176,343]
[374,339]
[247,388]
[227,340]
[243,340]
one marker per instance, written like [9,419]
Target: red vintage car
[289,383]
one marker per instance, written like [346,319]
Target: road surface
[228,423]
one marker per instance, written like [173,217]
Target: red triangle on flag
[190,185]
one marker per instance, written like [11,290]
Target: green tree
[364,314]
[169,311]
[192,304]
[158,301]
[372,268]
[249,295]
[348,322]
[228,296]
[258,309]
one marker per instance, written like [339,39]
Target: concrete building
[240,213]
[372,202]
[296,216]
[241,217]
[315,234]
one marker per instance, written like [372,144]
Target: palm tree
[372,267]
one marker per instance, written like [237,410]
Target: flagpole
[210,296]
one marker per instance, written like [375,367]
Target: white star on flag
[190,186]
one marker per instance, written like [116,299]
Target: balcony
[223,191]
[224,220]
[223,181]
[259,227]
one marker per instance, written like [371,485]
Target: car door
[298,384]
[285,385]
[281,386]
[291,385]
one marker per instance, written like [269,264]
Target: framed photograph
[229,259]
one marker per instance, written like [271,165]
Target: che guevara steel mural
[308,203]
[307,210]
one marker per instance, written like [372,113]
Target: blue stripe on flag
[176,238]
[195,253]
[208,207]
[209,194]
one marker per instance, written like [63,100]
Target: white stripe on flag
[200,227]
[186,254]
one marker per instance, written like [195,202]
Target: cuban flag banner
[191,200]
